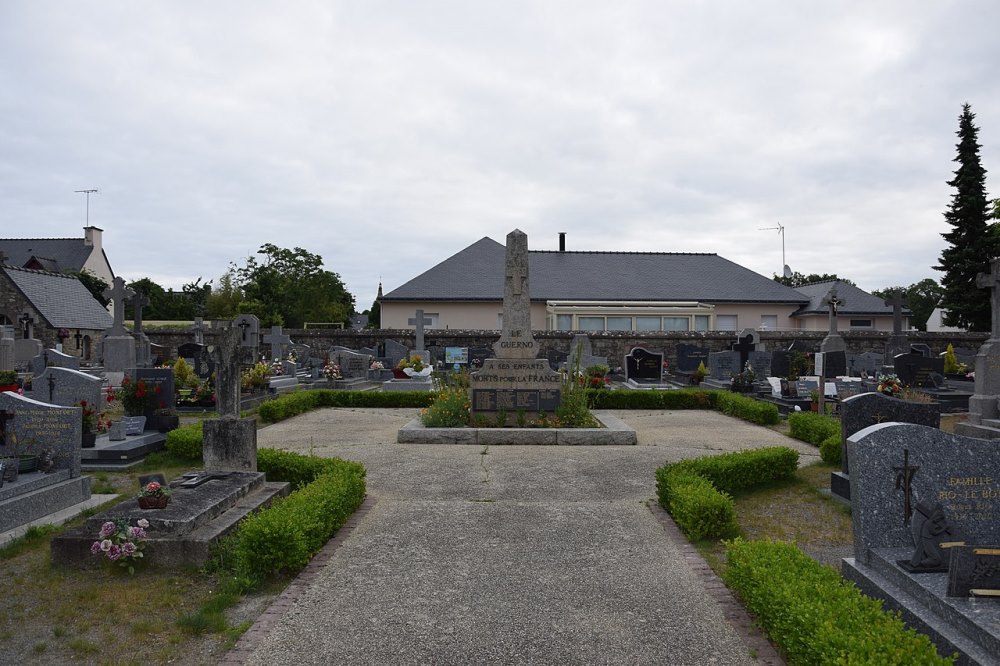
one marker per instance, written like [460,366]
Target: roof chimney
[92,237]
[562,241]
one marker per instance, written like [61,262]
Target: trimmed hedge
[299,469]
[732,472]
[285,536]
[814,616]
[812,428]
[186,441]
[831,450]
[299,402]
[697,492]
[623,399]
[698,508]
[748,409]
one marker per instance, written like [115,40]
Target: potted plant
[166,419]
[814,396]
[398,371]
[417,368]
[889,385]
[88,415]
[135,396]
[699,374]
[153,495]
[120,542]
[8,381]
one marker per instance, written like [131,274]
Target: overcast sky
[386,136]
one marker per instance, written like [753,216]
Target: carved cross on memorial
[119,294]
[834,303]
[26,321]
[744,346]
[897,303]
[991,281]
[904,480]
[419,321]
[277,340]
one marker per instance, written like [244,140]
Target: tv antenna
[781,232]
[88,193]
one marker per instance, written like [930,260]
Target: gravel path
[507,554]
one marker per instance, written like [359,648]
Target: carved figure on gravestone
[930,530]
[904,479]
[834,302]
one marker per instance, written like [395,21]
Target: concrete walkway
[501,555]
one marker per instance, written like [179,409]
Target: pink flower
[137,533]
[114,552]
[128,549]
[95,548]
[107,529]
[106,545]
[142,522]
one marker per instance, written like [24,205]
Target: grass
[155,616]
[797,511]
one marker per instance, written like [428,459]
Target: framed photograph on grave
[134,425]
[453,355]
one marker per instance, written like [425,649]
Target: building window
[564,322]
[619,323]
[768,322]
[676,323]
[702,322]
[591,323]
[725,322]
[647,323]
[861,323]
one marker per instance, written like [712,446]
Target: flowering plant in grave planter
[277,369]
[331,371]
[121,543]
[889,385]
[154,489]
[136,397]
[88,415]
[376,365]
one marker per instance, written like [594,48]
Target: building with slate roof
[38,304]
[619,291]
[859,311]
[59,255]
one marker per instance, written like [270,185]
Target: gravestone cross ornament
[904,480]
[199,330]
[277,340]
[991,281]
[834,303]
[897,303]
[120,294]
[26,321]
[244,325]
[138,301]
[419,321]
[744,346]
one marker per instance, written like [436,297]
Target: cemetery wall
[613,345]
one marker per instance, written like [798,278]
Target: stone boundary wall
[614,345]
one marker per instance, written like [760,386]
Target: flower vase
[88,440]
[153,502]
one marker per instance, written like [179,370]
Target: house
[59,255]
[52,308]
[621,291]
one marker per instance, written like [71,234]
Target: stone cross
[199,330]
[78,337]
[120,294]
[834,303]
[897,303]
[991,281]
[277,340]
[140,299]
[26,321]
[744,346]
[904,480]
[419,320]
[516,340]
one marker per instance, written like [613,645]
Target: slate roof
[856,301]
[61,299]
[477,274]
[55,254]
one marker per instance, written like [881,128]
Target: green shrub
[831,450]
[698,508]
[299,469]
[733,472]
[283,538]
[185,442]
[623,399]
[812,428]
[748,409]
[814,616]
[450,409]
[299,402]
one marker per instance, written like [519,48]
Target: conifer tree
[972,243]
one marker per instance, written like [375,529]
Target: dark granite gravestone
[974,571]
[781,363]
[869,363]
[915,369]
[723,365]
[198,357]
[846,389]
[834,364]
[65,387]
[478,356]
[803,346]
[394,352]
[860,411]
[690,356]
[760,362]
[921,349]
[643,366]
[896,469]
[965,356]
[804,386]
[160,383]
[557,359]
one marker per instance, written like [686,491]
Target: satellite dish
[788,271]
